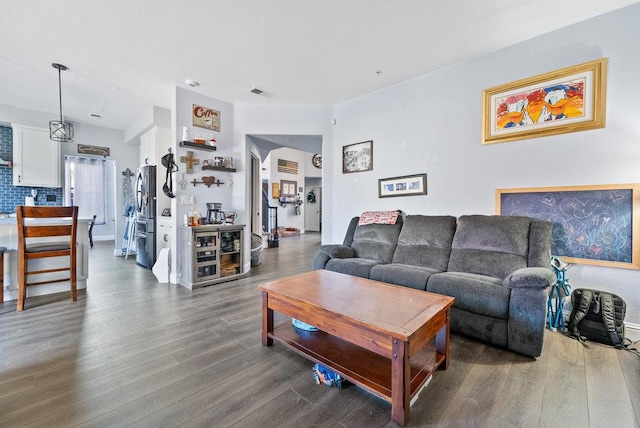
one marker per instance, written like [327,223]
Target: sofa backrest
[376,241]
[498,245]
[425,241]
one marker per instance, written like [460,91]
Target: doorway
[313,209]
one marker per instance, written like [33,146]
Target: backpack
[598,316]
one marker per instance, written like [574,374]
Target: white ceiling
[124,55]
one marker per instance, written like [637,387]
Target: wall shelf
[219,168]
[197,146]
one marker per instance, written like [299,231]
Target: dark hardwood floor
[133,352]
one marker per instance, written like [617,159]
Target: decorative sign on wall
[595,225]
[190,160]
[205,117]
[289,167]
[93,150]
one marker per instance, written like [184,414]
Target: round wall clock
[316,160]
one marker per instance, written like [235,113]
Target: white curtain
[85,186]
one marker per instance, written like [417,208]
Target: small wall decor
[357,157]
[593,225]
[190,160]
[93,150]
[205,117]
[290,167]
[275,190]
[567,100]
[288,188]
[208,181]
[408,185]
[316,160]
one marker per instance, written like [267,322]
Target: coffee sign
[205,117]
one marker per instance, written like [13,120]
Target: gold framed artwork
[592,225]
[205,117]
[568,100]
[275,190]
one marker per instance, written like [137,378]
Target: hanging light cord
[60,93]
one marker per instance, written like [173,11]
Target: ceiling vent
[256,91]
[95,116]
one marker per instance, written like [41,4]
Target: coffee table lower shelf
[356,364]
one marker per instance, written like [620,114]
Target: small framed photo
[407,185]
[357,157]
[288,188]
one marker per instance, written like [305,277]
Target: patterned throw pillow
[378,217]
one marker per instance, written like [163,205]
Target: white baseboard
[632,331]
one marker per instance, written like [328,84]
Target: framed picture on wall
[288,188]
[595,225]
[566,100]
[357,157]
[407,185]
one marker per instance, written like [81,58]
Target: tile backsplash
[11,195]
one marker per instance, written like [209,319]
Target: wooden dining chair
[45,232]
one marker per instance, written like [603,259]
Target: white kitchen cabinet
[36,158]
[154,144]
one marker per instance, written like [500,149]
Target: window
[85,186]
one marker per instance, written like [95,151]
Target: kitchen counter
[9,239]
[216,226]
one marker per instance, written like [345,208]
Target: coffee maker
[215,215]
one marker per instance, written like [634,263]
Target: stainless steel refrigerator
[146,216]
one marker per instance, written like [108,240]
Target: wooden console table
[384,338]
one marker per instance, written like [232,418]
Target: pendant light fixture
[60,130]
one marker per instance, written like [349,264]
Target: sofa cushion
[356,266]
[479,294]
[490,245]
[376,241]
[406,275]
[425,241]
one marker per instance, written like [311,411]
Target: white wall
[433,124]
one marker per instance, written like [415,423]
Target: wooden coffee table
[384,338]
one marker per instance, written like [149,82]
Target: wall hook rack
[209,181]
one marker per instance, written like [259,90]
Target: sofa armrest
[530,277]
[328,252]
[337,251]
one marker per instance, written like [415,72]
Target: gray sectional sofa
[496,267]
